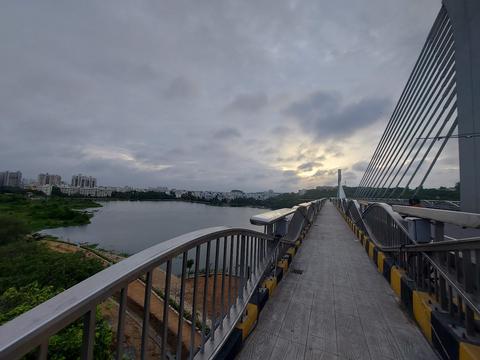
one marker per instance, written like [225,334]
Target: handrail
[388,233]
[270,217]
[450,245]
[465,219]
[33,328]
[450,205]
[468,298]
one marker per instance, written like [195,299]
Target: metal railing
[229,263]
[431,204]
[446,268]
[288,225]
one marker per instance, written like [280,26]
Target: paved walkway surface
[339,308]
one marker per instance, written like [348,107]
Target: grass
[43,213]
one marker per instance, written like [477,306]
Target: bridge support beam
[465,17]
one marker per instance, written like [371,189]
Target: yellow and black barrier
[446,334]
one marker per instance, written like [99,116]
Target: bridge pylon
[465,18]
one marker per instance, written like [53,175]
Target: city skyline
[249,96]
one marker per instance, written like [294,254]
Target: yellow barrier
[422,312]
[395,280]
[469,351]
[249,321]
[370,250]
[284,265]
[270,284]
[380,260]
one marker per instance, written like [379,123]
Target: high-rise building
[11,178]
[84,181]
[49,179]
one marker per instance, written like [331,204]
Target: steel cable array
[407,152]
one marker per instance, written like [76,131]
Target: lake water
[131,226]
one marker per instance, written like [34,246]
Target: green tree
[11,229]
[65,344]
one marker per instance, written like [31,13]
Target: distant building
[83,181]
[46,189]
[11,178]
[49,179]
[100,192]
[158,189]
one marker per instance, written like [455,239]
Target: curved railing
[354,211]
[385,227]
[229,264]
[239,256]
[431,204]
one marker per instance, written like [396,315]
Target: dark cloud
[308,166]
[248,103]
[325,172]
[227,133]
[325,115]
[180,87]
[360,166]
[334,150]
[281,130]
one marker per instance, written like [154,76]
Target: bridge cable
[413,90]
[442,112]
[415,119]
[406,95]
[446,86]
[413,74]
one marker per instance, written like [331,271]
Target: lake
[131,226]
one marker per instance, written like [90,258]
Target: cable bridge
[359,276]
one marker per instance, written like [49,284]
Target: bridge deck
[339,308]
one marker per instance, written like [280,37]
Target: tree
[66,343]
[190,263]
[11,229]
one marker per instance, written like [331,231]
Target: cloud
[281,130]
[120,91]
[248,103]
[324,114]
[360,166]
[329,172]
[308,166]
[180,87]
[227,133]
[122,157]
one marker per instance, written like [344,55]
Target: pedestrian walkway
[335,305]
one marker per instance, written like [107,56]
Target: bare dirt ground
[218,296]
[133,332]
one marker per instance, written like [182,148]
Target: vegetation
[40,212]
[142,195]
[11,229]
[32,274]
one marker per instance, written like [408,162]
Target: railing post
[88,335]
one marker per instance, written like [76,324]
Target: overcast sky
[212,95]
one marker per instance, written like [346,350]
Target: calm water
[125,226]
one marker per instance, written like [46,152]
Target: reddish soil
[218,296]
